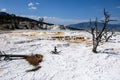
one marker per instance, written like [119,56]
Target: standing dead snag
[41,22]
[98,34]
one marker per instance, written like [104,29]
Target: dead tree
[98,34]
[41,22]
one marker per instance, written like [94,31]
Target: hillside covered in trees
[11,22]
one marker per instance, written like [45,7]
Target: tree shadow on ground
[108,51]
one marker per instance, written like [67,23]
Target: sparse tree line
[16,22]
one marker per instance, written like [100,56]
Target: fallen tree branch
[33,59]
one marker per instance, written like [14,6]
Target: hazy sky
[62,11]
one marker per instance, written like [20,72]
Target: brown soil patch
[34,59]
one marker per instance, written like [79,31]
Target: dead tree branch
[108,34]
[32,59]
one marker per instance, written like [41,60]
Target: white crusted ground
[75,62]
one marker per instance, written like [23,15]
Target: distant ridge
[85,26]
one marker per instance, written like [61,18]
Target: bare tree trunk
[94,49]
[95,45]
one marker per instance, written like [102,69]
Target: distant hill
[11,21]
[85,26]
[4,14]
